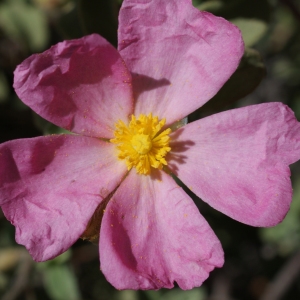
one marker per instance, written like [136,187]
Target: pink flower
[172,59]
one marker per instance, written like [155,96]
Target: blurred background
[260,263]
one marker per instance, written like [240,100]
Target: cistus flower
[112,180]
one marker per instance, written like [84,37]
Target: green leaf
[46,127]
[245,79]
[60,283]
[127,295]
[286,235]
[177,294]
[229,9]
[59,260]
[100,16]
[153,295]
[24,22]
[252,30]
[213,6]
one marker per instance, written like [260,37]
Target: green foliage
[126,295]
[177,294]
[46,127]
[229,9]
[59,279]
[286,235]
[252,29]
[213,6]
[25,23]
[60,283]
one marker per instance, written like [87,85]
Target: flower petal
[152,234]
[51,186]
[82,85]
[237,161]
[179,57]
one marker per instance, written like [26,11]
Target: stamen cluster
[141,144]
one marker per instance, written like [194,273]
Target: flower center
[142,144]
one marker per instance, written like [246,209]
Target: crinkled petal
[152,235]
[82,85]
[179,57]
[51,186]
[237,161]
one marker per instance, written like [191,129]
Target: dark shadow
[155,174]
[123,246]
[43,153]
[142,83]
[177,149]
[9,171]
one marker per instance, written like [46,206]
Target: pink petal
[152,234]
[180,57]
[51,186]
[237,161]
[82,85]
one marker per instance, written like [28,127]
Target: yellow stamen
[141,144]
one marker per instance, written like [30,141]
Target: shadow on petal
[176,155]
[121,240]
[143,83]
[39,162]
[7,162]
